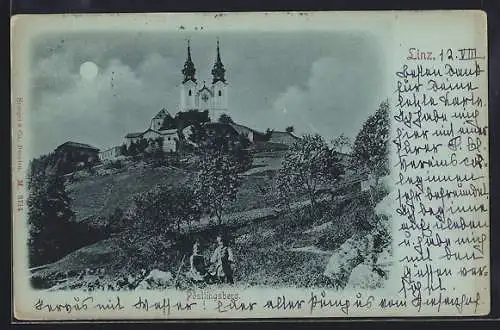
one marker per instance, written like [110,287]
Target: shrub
[115,164]
[165,209]
[116,221]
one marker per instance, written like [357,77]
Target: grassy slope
[100,195]
[264,250]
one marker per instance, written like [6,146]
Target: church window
[189,93]
[220,93]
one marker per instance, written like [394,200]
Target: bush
[116,221]
[242,159]
[59,238]
[347,219]
[115,165]
[165,209]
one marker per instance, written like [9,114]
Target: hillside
[99,195]
[273,246]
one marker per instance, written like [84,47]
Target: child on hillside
[198,268]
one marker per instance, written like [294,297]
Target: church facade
[201,96]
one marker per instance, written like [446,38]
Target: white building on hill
[170,138]
[109,154]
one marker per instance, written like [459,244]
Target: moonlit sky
[316,81]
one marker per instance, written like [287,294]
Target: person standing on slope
[223,261]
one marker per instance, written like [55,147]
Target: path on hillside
[265,213]
[241,217]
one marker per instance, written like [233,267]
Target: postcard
[250,165]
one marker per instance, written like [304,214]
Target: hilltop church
[201,96]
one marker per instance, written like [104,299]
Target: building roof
[235,128]
[281,134]
[241,129]
[167,131]
[162,114]
[134,135]
[77,145]
[162,132]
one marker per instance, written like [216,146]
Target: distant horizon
[328,87]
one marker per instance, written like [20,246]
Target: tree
[168,123]
[52,230]
[217,183]
[150,146]
[198,134]
[123,150]
[340,142]
[290,129]
[164,209]
[192,117]
[225,119]
[370,148]
[142,144]
[132,149]
[115,221]
[48,200]
[308,166]
[158,148]
[217,138]
[241,156]
[243,141]
[37,217]
[49,207]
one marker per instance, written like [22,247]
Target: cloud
[100,111]
[161,76]
[335,99]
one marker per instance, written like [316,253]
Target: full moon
[89,70]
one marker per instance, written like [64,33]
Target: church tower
[189,84]
[219,88]
[211,96]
